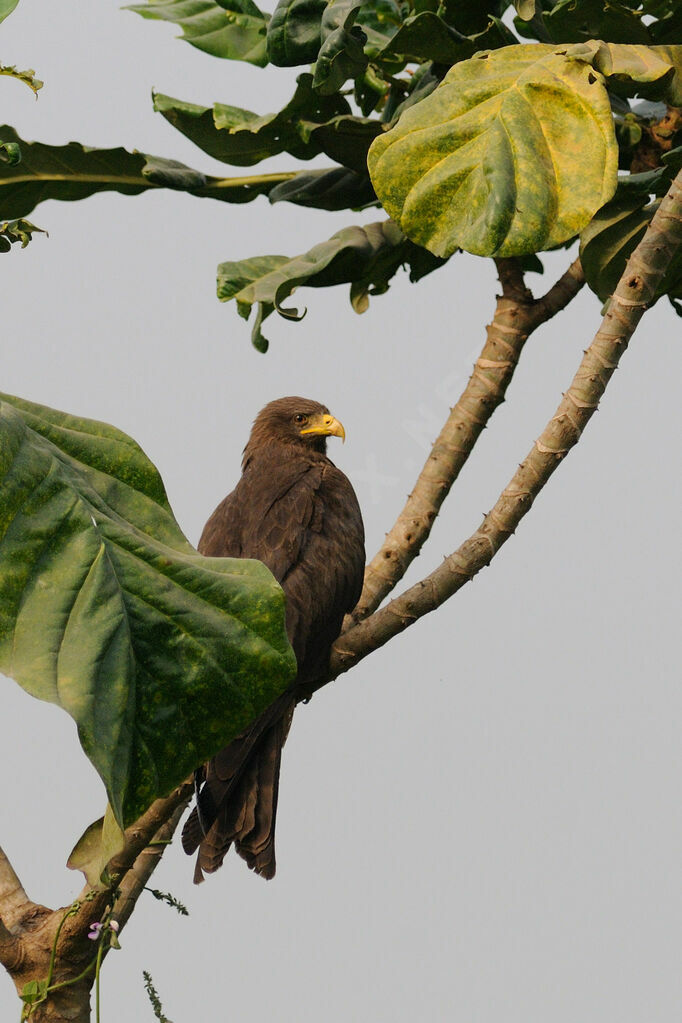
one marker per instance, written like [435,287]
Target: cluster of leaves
[434,109]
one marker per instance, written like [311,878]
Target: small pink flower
[95,930]
[114,926]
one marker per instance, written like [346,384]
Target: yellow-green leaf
[513,153]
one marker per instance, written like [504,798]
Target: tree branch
[635,290]
[13,899]
[144,866]
[138,836]
[517,315]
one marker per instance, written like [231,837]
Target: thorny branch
[636,289]
[144,866]
[517,315]
[137,838]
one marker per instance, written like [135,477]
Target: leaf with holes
[160,655]
[27,77]
[513,153]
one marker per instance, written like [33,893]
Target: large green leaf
[309,124]
[160,655]
[366,257]
[233,29]
[513,153]
[35,172]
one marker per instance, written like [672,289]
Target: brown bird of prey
[297,513]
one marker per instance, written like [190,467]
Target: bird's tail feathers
[238,800]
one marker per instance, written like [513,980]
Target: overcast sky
[481,822]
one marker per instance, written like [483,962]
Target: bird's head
[297,422]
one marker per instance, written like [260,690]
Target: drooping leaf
[243,138]
[27,77]
[514,152]
[334,189]
[366,257]
[74,172]
[308,125]
[233,29]
[6,8]
[294,32]
[636,63]
[12,231]
[159,654]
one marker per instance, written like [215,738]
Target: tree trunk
[66,1005]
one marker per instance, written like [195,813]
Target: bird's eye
[300,419]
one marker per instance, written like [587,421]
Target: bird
[295,511]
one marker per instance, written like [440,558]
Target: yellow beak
[326,426]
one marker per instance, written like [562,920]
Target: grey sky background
[481,822]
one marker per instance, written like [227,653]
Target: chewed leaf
[366,257]
[27,77]
[20,231]
[513,153]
